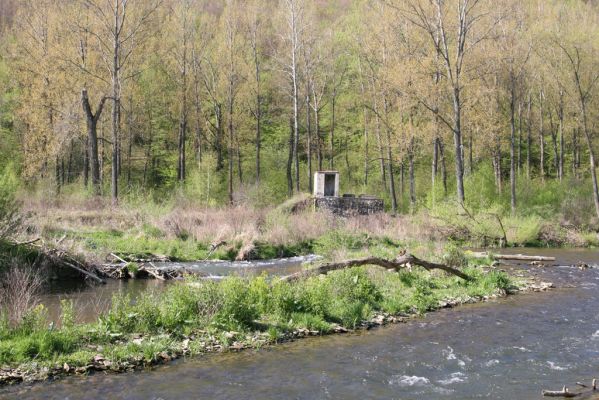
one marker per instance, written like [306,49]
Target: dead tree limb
[559,393]
[399,263]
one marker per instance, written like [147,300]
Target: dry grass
[238,226]
[21,287]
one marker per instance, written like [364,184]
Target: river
[505,349]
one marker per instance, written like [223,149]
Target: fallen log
[84,272]
[589,393]
[400,262]
[515,257]
[559,393]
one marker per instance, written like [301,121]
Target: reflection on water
[507,349]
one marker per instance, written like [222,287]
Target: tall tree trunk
[129,142]
[512,147]
[309,143]
[441,146]
[218,140]
[554,135]
[231,144]
[92,119]
[258,100]
[457,140]
[434,167]
[519,148]
[149,146]
[332,137]
[290,159]
[528,137]
[390,165]
[318,137]
[591,151]
[380,145]
[412,179]
[541,137]
[181,164]
[575,152]
[561,135]
[86,163]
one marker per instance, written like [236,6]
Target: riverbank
[194,317]
[185,232]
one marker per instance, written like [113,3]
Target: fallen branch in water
[516,257]
[559,393]
[566,393]
[400,262]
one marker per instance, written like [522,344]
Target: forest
[239,102]
[160,163]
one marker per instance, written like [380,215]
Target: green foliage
[347,297]
[10,218]
[454,256]
[67,313]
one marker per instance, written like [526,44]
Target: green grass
[240,305]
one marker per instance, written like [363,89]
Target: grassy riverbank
[184,231]
[193,317]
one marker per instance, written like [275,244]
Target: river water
[505,349]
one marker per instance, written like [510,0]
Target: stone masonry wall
[348,206]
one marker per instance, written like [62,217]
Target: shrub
[10,218]
[237,311]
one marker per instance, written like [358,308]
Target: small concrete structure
[326,197]
[326,184]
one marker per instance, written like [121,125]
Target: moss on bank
[195,316]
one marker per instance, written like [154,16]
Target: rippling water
[505,349]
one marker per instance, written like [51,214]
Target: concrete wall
[348,206]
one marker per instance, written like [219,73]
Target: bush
[10,218]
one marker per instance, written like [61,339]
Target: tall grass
[238,305]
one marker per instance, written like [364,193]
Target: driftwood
[400,262]
[516,257]
[559,393]
[62,258]
[567,394]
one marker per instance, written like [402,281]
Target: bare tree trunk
[380,145]
[512,147]
[561,135]
[231,142]
[290,159]
[86,163]
[528,137]
[318,137]
[519,163]
[218,140]
[390,164]
[434,168]
[332,137]
[92,138]
[309,143]
[411,172]
[541,137]
[554,134]
[182,113]
[443,166]
[130,141]
[116,98]
[149,147]
[575,152]
[591,154]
